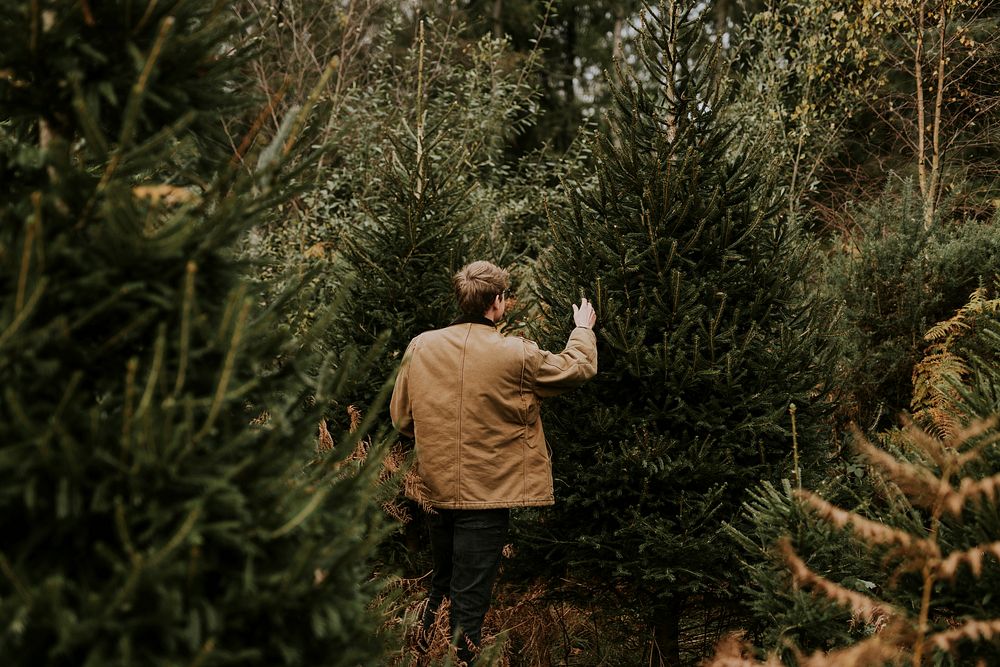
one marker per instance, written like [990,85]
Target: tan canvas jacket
[469,396]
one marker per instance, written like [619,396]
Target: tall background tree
[706,340]
[164,504]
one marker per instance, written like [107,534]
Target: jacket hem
[490,505]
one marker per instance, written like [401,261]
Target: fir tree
[898,280]
[155,422]
[955,383]
[435,192]
[705,339]
[935,555]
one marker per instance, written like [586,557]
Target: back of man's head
[477,285]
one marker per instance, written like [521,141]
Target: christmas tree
[163,503]
[437,191]
[705,340]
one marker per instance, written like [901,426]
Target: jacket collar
[474,319]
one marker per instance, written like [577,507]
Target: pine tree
[435,192]
[885,490]
[934,550]
[704,339]
[899,279]
[162,501]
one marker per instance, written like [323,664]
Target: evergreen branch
[35,24]
[25,312]
[974,557]
[872,532]
[178,537]
[919,483]
[121,526]
[316,498]
[12,577]
[146,15]
[862,606]
[971,630]
[971,489]
[91,130]
[874,650]
[131,368]
[303,114]
[29,243]
[227,369]
[137,323]
[136,95]
[185,342]
[154,372]
[259,121]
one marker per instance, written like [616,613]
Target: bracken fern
[939,483]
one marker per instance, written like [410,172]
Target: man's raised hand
[584,315]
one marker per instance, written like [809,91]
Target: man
[470,396]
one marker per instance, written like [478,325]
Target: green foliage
[157,423]
[415,186]
[704,338]
[923,541]
[786,616]
[781,614]
[806,71]
[898,280]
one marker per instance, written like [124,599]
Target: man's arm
[577,363]
[400,408]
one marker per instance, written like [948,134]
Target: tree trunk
[569,75]
[723,8]
[666,646]
[497,23]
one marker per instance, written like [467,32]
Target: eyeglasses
[504,295]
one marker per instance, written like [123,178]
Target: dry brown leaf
[167,194]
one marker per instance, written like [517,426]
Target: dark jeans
[467,545]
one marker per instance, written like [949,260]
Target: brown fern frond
[862,606]
[936,401]
[977,304]
[325,442]
[414,489]
[971,489]
[733,650]
[947,328]
[397,511]
[973,556]
[935,370]
[972,630]
[875,650]
[872,532]
[355,416]
[919,484]
[973,431]
[929,444]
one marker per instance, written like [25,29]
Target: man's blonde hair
[478,284]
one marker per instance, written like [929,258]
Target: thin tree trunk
[497,23]
[931,200]
[722,10]
[617,51]
[666,648]
[569,73]
[918,73]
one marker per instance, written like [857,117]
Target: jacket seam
[461,413]
[524,429]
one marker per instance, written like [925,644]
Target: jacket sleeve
[400,407]
[570,368]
